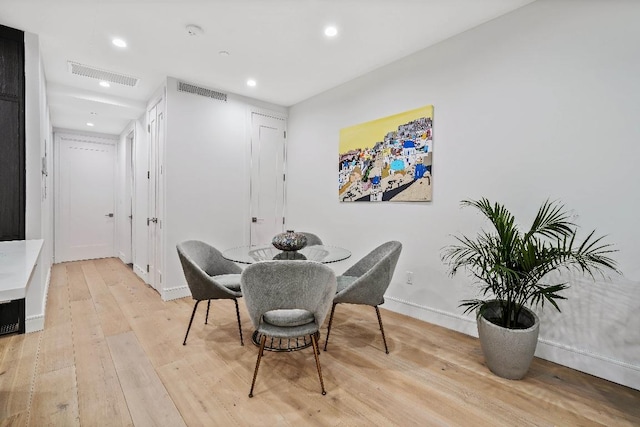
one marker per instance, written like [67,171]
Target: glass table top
[320,253]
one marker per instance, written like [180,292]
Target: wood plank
[55,399]
[148,400]
[56,347]
[78,290]
[100,397]
[192,395]
[17,372]
[58,309]
[111,318]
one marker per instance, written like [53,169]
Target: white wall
[39,208]
[206,174]
[540,103]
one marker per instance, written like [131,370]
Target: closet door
[12,144]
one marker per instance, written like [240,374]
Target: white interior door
[154,222]
[85,222]
[267,177]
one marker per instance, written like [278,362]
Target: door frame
[96,138]
[156,184]
[279,116]
[127,163]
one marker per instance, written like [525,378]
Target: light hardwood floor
[111,354]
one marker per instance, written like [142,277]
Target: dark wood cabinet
[12,135]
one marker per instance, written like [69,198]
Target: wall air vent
[197,90]
[96,73]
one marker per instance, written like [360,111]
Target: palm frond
[510,265]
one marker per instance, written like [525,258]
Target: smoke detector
[194,30]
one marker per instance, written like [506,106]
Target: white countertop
[17,260]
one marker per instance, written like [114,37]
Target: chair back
[374,273]
[274,285]
[312,239]
[199,262]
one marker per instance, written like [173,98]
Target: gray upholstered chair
[366,282]
[288,299]
[312,239]
[209,276]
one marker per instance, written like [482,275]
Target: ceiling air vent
[96,73]
[197,90]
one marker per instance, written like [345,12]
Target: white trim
[601,366]
[34,323]
[122,257]
[169,294]
[141,272]
[592,363]
[269,113]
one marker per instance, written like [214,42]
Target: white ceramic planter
[508,352]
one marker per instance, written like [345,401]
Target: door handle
[154,220]
[256,219]
[110,215]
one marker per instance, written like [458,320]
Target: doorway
[84,205]
[268,153]
[155,193]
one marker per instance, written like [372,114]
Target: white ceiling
[279,43]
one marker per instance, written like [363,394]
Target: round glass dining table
[319,253]
[252,254]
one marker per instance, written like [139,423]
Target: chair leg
[314,341]
[263,340]
[326,340]
[190,322]
[239,324]
[382,330]
[206,319]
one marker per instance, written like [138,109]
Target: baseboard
[617,371]
[591,363]
[122,257]
[456,322]
[141,272]
[34,323]
[175,293]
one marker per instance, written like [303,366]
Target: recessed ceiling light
[331,31]
[89,124]
[105,84]
[194,30]
[251,83]
[119,42]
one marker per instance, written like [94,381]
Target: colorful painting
[388,159]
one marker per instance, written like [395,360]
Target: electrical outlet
[409,277]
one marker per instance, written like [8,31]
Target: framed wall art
[388,159]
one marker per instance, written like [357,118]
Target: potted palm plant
[512,269]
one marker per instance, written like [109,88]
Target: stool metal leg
[326,340]
[193,313]
[263,339]
[239,324]
[314,341]
[382,330]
